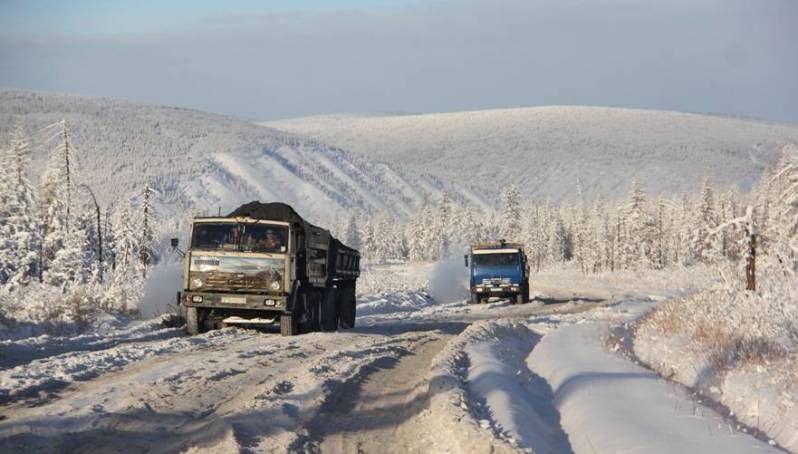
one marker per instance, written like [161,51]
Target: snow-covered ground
[416,375]
[736,347]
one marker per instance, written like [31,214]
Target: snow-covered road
[415,376]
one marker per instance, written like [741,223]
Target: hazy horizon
[278,60]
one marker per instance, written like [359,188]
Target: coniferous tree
[603,237]
[109,242]
[785,228]
[147,247]
[441,227]
[128,278]
[764,199]
[351,233]
[7,247]
[367,238]
[68,266]
[24,231]
[705,221]
[54,202]
[510,217]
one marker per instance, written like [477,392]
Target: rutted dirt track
[232,390]
[382,411]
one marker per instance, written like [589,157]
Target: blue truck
[498,269]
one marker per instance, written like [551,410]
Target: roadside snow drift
[608,404]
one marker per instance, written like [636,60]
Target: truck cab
[498,269]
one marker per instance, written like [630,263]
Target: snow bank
[739,348]
[608,404]
[516,403]
[393,277]
[454,407]
[392,302]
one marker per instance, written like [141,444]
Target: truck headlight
[275,285]
[196,282]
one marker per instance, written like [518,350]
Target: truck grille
[240,281]
[496,281]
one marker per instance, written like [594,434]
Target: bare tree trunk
[65,135]
[750,263]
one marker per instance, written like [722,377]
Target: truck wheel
[288,325]
[348,307]
[329,313]
[192,322]
[519,298]
[312,315]
[209,320]
[475,298]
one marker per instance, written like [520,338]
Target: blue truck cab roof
[496,247]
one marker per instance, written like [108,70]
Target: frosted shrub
[55,310]
[727,325]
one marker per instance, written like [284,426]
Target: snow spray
[448,281]
[160,289]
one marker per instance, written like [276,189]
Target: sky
[275,59]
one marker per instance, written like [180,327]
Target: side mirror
[175,242]
[466,260]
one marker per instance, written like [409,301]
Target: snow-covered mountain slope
[551,148]
[200,162]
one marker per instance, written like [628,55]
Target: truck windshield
[502,259]
[239,237]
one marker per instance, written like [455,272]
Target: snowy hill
[199,162]
[548,148]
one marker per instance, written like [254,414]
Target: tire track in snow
[379,410]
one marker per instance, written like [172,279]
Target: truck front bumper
[496,290]
[235,301]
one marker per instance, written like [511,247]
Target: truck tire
[348,307]
[519,298]
[312,312]
[475,299]
[192,321]
[209,320]
[329,311]
[288,325]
